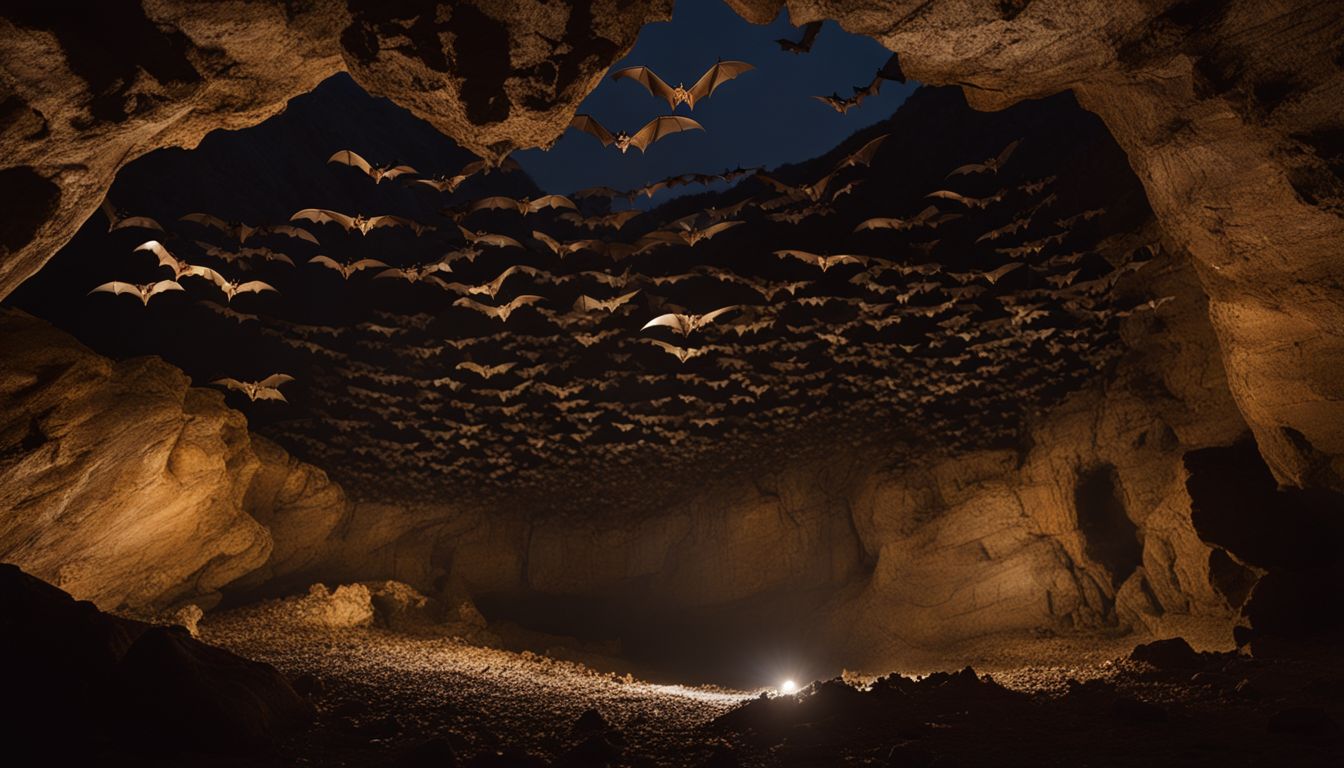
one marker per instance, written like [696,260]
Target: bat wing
[773,182]
[866,153]
[524,300]
[399,170]
[206,220]
[141,222]
[661,126]
[968,168]
[165,257]
[493,202]
[323,216]
[717,75]
[286,230]
[710,317]
[269,393]
[254,286]
[645,77]
[347,157]
[810,258]
[499,241]
[947,194]
[674,321]
[589,125]
[1006,153]
[164,286]
[551,201]
[547,241]
[275,380]
[993,277]
[715,229]
[325,261]
[809,35]
[230,383]
[619,219]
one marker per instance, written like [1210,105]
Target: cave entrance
[1110,538]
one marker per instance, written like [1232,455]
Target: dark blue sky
[764,117]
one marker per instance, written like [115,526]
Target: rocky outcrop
[95,684]
[124,485]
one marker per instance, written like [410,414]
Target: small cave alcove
[1109,537]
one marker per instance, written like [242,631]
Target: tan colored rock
[349,605]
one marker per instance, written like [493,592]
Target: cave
[922,384]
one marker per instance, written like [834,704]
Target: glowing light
[787,687]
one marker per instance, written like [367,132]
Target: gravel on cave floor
[384,692]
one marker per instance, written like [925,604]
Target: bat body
[717,75]
[652,131]
[803,45]
[346,270]
[824,262]
[266,389]
[375,172]
[586,303]
[144,292]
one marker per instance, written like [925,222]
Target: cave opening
[446,416]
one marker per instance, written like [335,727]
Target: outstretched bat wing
[347,157]
[674,321]
[324,216]
[275,380]
[661,126]
[206,220]
[645,77]
[588,124]
[710,317]
[551,201]
[254,286]
[717,75]
[142,222]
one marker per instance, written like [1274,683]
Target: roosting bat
[717,75]
[346,270]
[652,131]
[805,44]
[375,172]
[687,324]
[266,389]
[144,292]
[357,223]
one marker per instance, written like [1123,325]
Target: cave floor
[383,695]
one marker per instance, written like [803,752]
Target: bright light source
[787,687]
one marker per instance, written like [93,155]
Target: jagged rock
[349,605]
[1174,653]
[125,684]
[189,618]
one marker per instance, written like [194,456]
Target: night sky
[764,117]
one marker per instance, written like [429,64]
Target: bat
[487,238]
[609,220]
[242,254]
[503,311]
[377,173]
[227,312]
[115,220]
[688,234]
[357,223]
[812,191]
[523,206]
[991,165]
[180,268]
[715,76]
[969,202]
[586,303]
[414,274]
[681,353]
[232,288]
[685,324]
[994,276]
[243,232]
[486,372]
[346,270]
[144,292]
[652,131]
[266,389]
[840,104]
[823,261]
[865,154]
[803,45]
[493,287]
[565,249]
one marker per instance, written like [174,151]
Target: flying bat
[375,172]
[144,292]
[346,270]
[825,262]
[969,202]
[243,232]
[717,75]
[357,223]
[242,255]
[501,312]
[566,249]
[681,353]
[232,288]
[839,103]
[992,165]
[180,268]
[804,44]
[812,191]
[994,276]
[487,238]
[609,220]
[685,324]
[116,221]
[652,131]
[266,389]
[523,206]
[865,154]
[586,303]
[486,372]
[687,233]
[414,274]
[493,287]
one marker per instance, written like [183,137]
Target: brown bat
[144,292]
[840,104]
[803,45]
[717,75]
[586,303]
[357,223]
[375,172]
[991,165]
[346,270]
[487,238]
[493,287]
[812,191]
[687,233]
[115,220]
[243,232]
[266,389]
[609,220]
[242,255]
[180,268]
[681,353]
[823,261]
[486,372]
[501,312]
[969,202]
[652,131]
[414,274]
[232,288]
[566,249]
[523,206]
[865,154]
[685,324]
